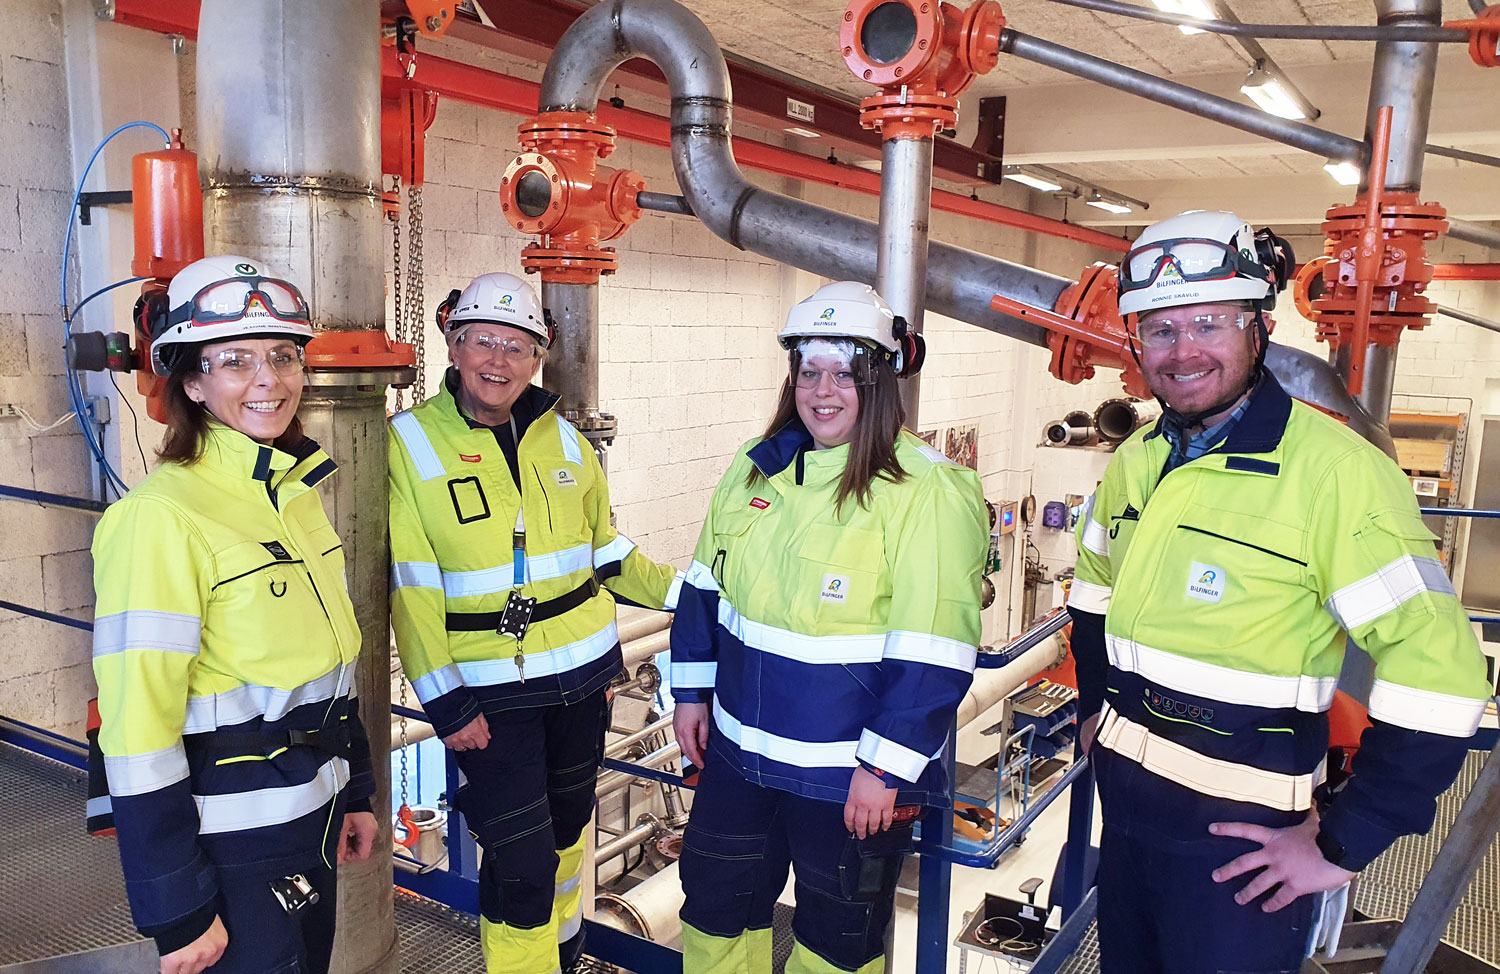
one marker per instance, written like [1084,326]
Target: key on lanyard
[518,559]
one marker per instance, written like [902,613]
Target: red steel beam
[516,96]
[1466,272]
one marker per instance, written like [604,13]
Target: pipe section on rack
[648,910]
[1475,233]
[992,686]
[1246,118]
[292,177]
[1286,32]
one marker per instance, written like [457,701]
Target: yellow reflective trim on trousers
[703,953]
[511,950]
[568,900]
[250,757]
[804,961]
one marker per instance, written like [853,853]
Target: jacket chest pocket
[1225,558]
[841,575]
[261,590]
[555,498]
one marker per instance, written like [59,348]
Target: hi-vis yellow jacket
[454,508]
[223,634]
[1213,606]
[826,639]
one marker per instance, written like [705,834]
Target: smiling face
[828,411]
[251,387]
[495,364]
[1197,374]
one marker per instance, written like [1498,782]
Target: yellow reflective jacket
[454,509]
[827,639]
[1213,607]
[223,630]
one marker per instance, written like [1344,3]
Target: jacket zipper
[545,499]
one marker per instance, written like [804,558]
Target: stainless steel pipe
[616,748]
[1475,233]
[616,781]
[573,361]
[1293,32]
[1246,118]
[1472,319]
[292,177]
[624,842]
[901,251]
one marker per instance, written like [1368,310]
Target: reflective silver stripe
[416,574]
[430,686]
[501,578]
[137,774]
[802,754]
[568,927]
[700,576]
[568,886]
[424,458]
[1096,537]
[172,632]
[887,755]
[492,672]
[695,676]
[924,647]
[935,455]
[1203,774]
[569,436]
[616,550]
[1089,597]
[674,593]
[1313,694]
[271,806]
[271,703]
[99,806]
[868,648]
[1374,595]
[1425,710]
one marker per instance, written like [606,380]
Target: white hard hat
[1197,257]
[498,299]
[219,298]
[844,309]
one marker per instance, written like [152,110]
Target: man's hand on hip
[1288,858]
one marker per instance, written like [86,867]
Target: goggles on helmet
[848,363]
[241,297]
[1191,258]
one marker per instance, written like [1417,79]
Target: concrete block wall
[45,675]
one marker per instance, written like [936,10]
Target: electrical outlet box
[9,410]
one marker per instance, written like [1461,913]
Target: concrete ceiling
[1170,160]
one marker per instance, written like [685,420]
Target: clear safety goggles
[246,363]
[1191,258]
[847,363]
[237,297]
[512,349]
[1163,329]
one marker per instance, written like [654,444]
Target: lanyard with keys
[516,616]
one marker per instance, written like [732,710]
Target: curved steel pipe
[960,283]
[1475,233]
[1291,32]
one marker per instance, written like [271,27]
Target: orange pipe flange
[556,189]
[946,49]
[366,348]
[405,118]
[1302,285]
[1484,36]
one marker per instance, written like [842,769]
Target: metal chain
[396,291]
[416,290]
[404,773]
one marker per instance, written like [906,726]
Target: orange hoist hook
[408,825]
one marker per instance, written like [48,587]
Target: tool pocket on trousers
[871,866]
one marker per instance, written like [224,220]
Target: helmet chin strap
[1182,422]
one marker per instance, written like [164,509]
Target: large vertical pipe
[901,248]
[573,362]
[1402,78]
[292,176]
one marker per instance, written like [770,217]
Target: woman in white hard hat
[824,638]
[225,643]
[505,575]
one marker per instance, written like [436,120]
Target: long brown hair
[187,421]
[872,448]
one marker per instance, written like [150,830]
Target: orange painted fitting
[368,348]
[556,189]
[1484,36]
[948,48]
[404,120]
[432,17]
[167,213]
[1084,330]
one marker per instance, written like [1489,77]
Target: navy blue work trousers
[263,937]
[740,841]
[1160,912]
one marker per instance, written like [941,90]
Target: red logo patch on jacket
[759,504]
[470,458]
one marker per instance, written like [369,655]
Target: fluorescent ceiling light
[1344,173]
[1035,182]
[1201,9]
[1270,95]
[1108,206]
[805,133]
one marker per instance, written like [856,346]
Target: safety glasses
[242,297]
[1189,258]
[512,349]
[847,363]
[1163,330]
[245,363]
